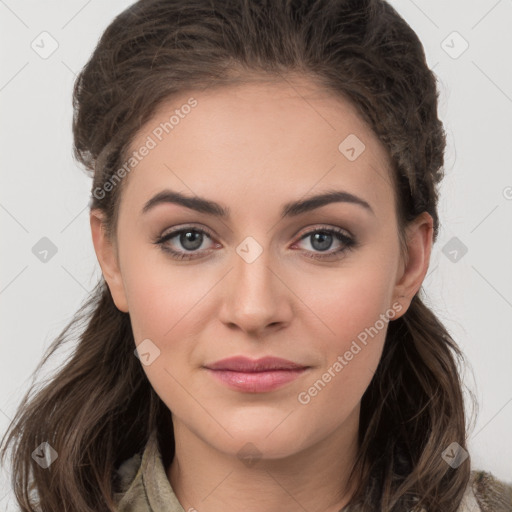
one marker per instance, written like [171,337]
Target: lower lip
[256,382]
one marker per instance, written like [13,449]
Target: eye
[188,243]
[190,239]
[321,240]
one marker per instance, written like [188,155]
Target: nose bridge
[254,297]
[252,276]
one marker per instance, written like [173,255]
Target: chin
[250,449]
[267,437]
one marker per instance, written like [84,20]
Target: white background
[44,193]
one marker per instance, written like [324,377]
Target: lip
[247,365]
[255,376]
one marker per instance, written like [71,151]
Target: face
[316,286]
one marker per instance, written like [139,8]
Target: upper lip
[244,364]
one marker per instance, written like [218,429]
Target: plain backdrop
[44,193]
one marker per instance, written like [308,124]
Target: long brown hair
[99,408]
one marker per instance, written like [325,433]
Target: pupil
[325,240]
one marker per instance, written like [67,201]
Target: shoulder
[490,493]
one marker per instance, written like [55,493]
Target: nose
[256,299]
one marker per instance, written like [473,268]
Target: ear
[419,236]
[106,253]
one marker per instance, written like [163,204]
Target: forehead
[273,138]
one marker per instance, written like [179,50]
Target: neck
[313,479]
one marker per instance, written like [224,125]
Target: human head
[362,52]
[369,68]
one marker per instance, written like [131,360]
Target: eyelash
[349,243]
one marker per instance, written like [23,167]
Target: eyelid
[177,229]
[325,227]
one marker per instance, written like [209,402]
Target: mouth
[255,376]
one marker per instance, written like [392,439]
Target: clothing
[144,487]
[144,483]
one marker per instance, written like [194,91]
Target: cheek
[159,293]
[350,357]
[165,305]
[348,301]
[355,312]
[170,305]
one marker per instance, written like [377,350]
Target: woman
[263,209]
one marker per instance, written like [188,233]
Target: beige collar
[147,488]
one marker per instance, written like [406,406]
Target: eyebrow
[291,209]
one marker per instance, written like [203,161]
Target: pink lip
[255,376]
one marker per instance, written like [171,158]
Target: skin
[253,148]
